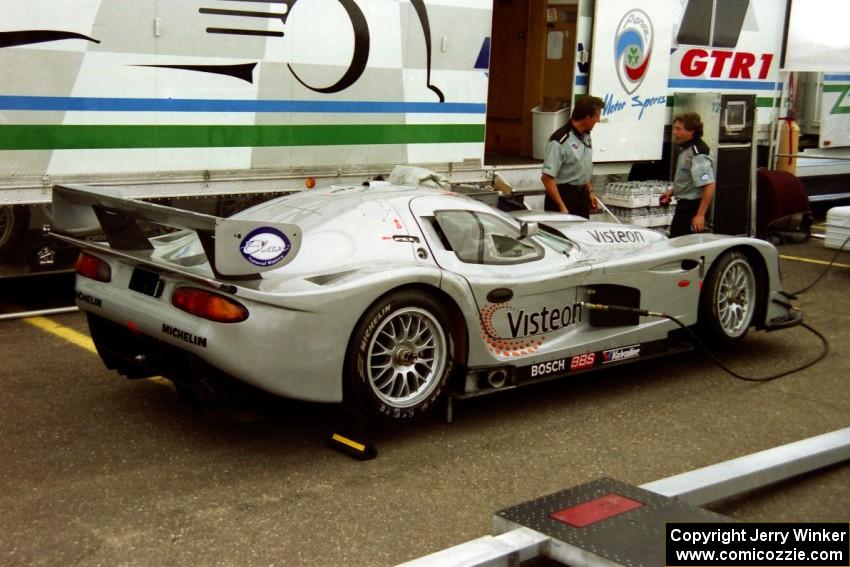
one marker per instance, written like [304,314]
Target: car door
[526,292]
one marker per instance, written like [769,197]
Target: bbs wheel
[400,356]
[729,298]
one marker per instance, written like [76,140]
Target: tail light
[208,305]
[93,267]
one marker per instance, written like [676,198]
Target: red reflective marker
[596,510]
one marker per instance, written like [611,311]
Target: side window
[479,238]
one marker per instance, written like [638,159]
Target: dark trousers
[576,198]
[685,211]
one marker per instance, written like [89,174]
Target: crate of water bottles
[644,216]
[639,216]
[631,194]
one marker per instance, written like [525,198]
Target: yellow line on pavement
[62,332]
[813,261]
[75,337]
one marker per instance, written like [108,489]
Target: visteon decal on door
[509,331]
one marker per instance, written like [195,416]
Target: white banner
[817,36]
[630,65]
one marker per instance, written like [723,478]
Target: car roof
[310,209]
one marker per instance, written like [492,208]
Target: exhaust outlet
[497,378]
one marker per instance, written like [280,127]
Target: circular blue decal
[265,246]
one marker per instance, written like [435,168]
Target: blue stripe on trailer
[220,105]
[836,77]
[721,84]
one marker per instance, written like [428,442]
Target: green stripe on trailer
[843,92]
[76,137]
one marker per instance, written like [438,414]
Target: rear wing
[235,249]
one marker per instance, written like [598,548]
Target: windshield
[554,239]
[480,238]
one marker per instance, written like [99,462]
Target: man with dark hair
[568,166]
[693,182]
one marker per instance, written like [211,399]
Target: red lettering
[766,59]
[583,361]
[720,58]
[741,65]
[693,62]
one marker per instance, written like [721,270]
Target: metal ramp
[605,522]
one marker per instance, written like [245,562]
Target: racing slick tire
[400,357]
[729,299]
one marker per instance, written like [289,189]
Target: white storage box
[543,125]
[837,227]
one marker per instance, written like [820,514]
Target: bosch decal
[184,336]
[572,363]
[618,354]
[633,49]
[546,368]
[265,246]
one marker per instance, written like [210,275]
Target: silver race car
[387,296]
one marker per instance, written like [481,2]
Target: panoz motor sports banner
[629,71]
[644,51]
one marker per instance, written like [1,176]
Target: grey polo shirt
[693,172]
[569,161]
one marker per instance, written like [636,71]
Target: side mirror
[527,229]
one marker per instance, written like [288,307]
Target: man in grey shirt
[568,166]
[693,182]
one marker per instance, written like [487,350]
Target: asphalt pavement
[99,470]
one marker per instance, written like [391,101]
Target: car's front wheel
[729,298]
[400,356]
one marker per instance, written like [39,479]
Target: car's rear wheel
[400,356]
[729,298]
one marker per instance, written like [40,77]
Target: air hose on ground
[711,355]
[705,349]
[831,263]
